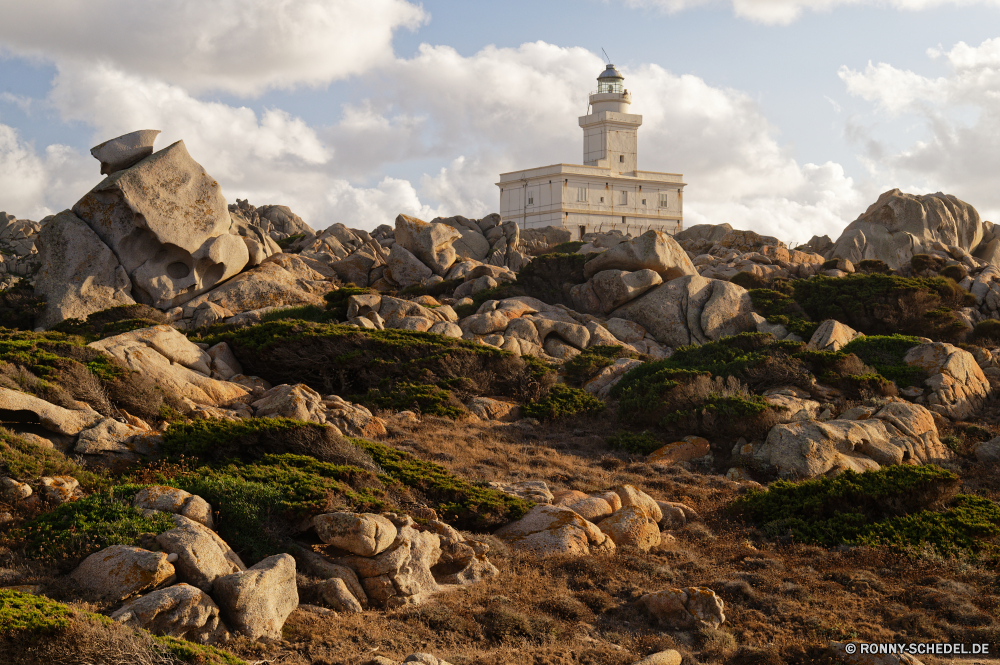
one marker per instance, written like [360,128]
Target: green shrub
[255,438]
[546,275]
[348,361]
[590,361]
[457,501]
[987,330]
[955,272]
[568,247]
[749,280]
[20,459]
[885,353]
[304,313]
[336,301]
[869,266]
[419,397]
[780,308]
[19,306]
[24,612]
[562,401]
[81,527]
[285,243]
[632,442]
[113,321]
[434,290]
[879,304]
[922,262]
[898,506]
[199,654]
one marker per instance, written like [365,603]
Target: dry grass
[86,642]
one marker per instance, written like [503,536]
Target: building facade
[607,191]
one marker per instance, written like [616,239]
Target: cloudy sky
[788,117]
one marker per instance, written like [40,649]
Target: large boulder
[631,527]
[899,225]
[405,268]
[549,530]
[691,310]
[180,611]
[652,250]
[53,418]
[176,501]
[120,571]
[283,220]
[167,222]
[173,361]
[898,433]
[202,556]
[614,288]
[958,387]
[124,151]
[258,600]
[431,243]
[698,239]
[364,534]
[691,607]
[79,274]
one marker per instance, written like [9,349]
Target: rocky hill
[229,438]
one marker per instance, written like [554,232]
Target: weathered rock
[630,527]
[668,657]
[614,288]
[462,561]
[167,222]
[51,417]
[792,404]
[364,534]
[406,268]
[492,409]
[692,607]
[57,489]
[899,432]
[652,250]
[119,571]
[625,330]
[257,601]
[899,225]
[202,556]
[553,530]
[180,611]
[532,490]
[13,491]
[727,312]
[402,573]
[631,496]
[111,440]
[299,402]
[431,243]
[224,363]
[124,151]
[957,384]
[831,335]
[79,274]
[692,447]
[177,501]
[337,595]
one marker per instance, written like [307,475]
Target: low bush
[632,442]
[580,368]
[870,266]
[285,243]
[418,397]
[19,306]
[30,613]
[20,459]
[79,528]
[885,354]
[897,506]
[749,280]
[434,290]
[336,301]
[562,401]
[568,247]
[303,313]
[549,276]
[348,361]
[253,439]
[779,307]
[926,262]
[113,321]
[987,330]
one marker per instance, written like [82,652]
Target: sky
[787,117]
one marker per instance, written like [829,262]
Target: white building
[607,191]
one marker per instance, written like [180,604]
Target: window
[581,193]
[621,158]
[644,202]
[531,199]
[624,198]
[602,199]
[664,199]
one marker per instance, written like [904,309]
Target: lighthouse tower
[607,191]
[609,131]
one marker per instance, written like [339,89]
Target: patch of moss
[898,506]
[81,527]
[592,360]
[641,442]
[562,401]
[24,612]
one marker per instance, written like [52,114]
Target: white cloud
[241,46]
[31,184]
[20,101]
[958,150]
[784,12]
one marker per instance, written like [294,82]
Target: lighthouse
[607,191]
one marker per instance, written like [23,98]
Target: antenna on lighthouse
[605,55]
